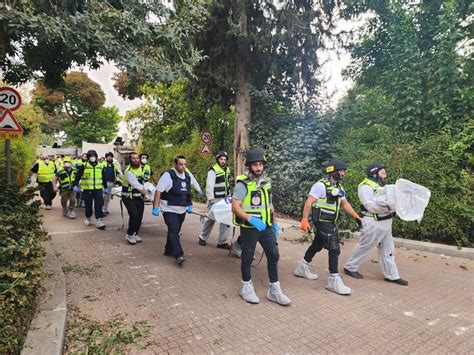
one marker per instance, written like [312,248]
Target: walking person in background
[173,199]
[92,179]
[45,170]
[66,176]
[113,175]
[218,186]
[133,192]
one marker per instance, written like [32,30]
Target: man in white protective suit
[377,228]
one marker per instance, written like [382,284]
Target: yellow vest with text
[66,180]
[127,190]
[91,178]
[256,202]
[327,209]
[45,172]
[222,183]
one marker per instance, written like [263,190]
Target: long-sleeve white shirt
[166,183]
[210,182]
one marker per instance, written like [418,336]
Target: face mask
[144,161]
[67,165]
[92,159]
[46,161]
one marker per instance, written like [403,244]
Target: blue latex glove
[189,209]
[200,194]
[105,189]
[155,211]
[76,189]
[257,223]
[276,229]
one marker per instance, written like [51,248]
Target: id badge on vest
[256,199]
[184,186]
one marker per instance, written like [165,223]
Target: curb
[448,250]
[47,329]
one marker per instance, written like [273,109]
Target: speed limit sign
[206,137]
[10,99]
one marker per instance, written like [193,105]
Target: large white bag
[222,212]
[407,199]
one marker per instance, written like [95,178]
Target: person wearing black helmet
[253,212]
[91,176]
[324,201]
[218,184]
[377,231]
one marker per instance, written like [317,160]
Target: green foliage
[148,39]
[77,109]
[162,156]
[440,162]
[412,65]
[21,254]
[295,150]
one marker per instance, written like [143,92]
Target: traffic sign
[205,150]
[206,137]
[9,127]
[10,99]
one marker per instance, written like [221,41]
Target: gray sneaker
[88,222]
[71,215]
[99,224]
[137,238]
[65,211]
[131,239]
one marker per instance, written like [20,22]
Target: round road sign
[10,99]
[206,136]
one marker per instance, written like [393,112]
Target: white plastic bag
[412,200]
[222,212]
[407,199]
[150,188]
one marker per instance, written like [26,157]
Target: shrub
[21,254]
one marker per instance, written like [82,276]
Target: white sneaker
[47,207]
[71,215]
[275,294]
[88,222]
[302,270]
[247,292]
[336,285]
[99,224]
[131,239]
[137,238]
[236,250]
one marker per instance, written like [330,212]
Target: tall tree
[146,38]
[77,108]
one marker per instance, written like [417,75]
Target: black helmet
[222,153]
[91,152]
[254,155]
[109,154]
[373,169]
[334,165]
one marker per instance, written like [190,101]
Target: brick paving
[196,308]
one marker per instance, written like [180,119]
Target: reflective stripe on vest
[376,216]
[327,208]
[91,178]
[45,172]
[127,190]
[66,180]
[256,202]
[222,183]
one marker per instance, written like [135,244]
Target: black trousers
[96,197]
[47,193]
[135,207]
[321,240]
[267,239]
[174,221]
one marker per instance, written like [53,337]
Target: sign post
[10,100]
[206,139]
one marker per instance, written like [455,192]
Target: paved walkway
[196,308]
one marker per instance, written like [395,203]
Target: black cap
[255,155]
[334,165]
[92,152]
[373,169]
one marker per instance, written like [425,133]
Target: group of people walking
[252,210]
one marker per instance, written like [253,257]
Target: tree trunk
[242,100]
